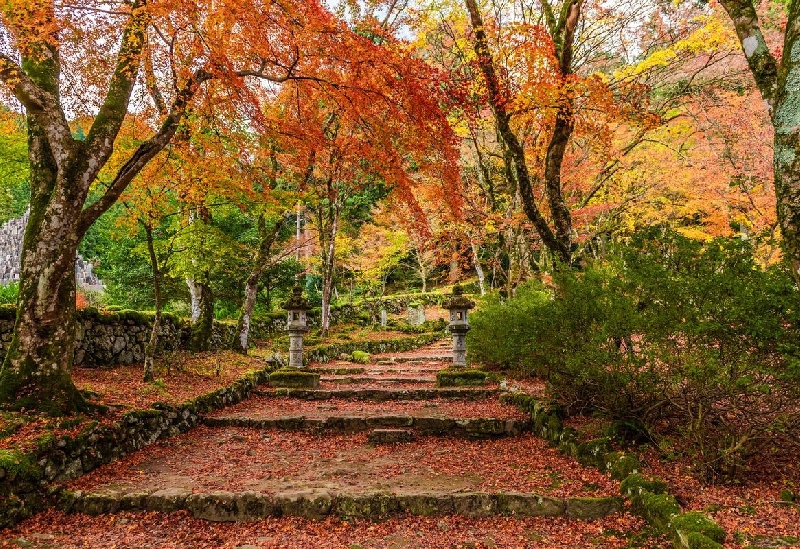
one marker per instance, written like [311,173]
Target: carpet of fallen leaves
[190,377]
[179,531]
[749,511]
[238,459]
[121,389]
[258,407]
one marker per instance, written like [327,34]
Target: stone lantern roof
[297,302]
[458,300]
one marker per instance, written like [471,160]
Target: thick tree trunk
[239,344]
[36,370]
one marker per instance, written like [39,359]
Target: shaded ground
[237,459]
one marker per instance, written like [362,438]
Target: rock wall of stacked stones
[120,338]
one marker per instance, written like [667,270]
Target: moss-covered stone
[17,465]
[621,465]
[593,452]
[593,508]
[360,357]
[657,509]
[367,506]
[636,484]
[695,540]
[426,505]
[529,505]
[293,378]
[461,378]
[694,521]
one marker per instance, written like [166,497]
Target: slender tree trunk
[152,344]
[328,264]
[202,313]
[478,269]
[262,261]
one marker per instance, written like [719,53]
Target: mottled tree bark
[202,312]
[780,87]
[262,262]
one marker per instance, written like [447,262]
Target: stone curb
[221,506]
[648,497]
[381,395]
[475,428]
[360,380]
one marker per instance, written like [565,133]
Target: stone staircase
[372,442]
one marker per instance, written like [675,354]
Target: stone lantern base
[292,378]
[451,377]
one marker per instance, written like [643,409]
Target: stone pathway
[374,442]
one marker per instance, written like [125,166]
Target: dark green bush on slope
[670,336]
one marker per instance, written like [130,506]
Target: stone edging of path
[325,353]
[474,428]
[382,395]
[649,497]
[321,503]
[27,490]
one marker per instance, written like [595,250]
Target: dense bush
[8,293]
[668,336]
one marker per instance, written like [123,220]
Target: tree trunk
[262,261]
[778,84]
[152,344]
[239,343]
[328,260]
[478,269]
[202,314]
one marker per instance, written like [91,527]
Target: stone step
[338,371]
[390,436]
[473,428]
[433,357]
[384,394]
[316,503]
[363,380]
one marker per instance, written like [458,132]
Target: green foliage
[673,336]
[501,332]
[8,294]
[16,464]
[460,378]
[360,357]
[14,169]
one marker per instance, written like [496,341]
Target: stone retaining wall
[120,337]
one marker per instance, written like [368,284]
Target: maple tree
[776,80]
[183,54]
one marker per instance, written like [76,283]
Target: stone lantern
[459,306]
[296,325]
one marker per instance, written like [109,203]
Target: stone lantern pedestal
[457,375]
[294,375]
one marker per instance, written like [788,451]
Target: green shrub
[667,335]
[360,357]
